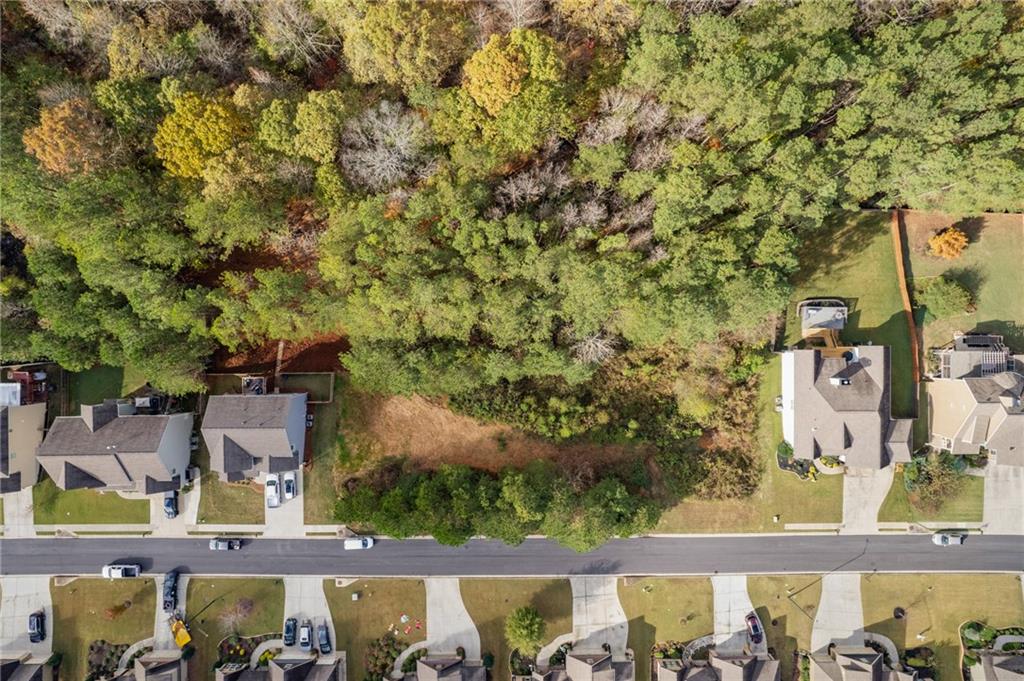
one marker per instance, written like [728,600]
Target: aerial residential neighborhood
[511,340]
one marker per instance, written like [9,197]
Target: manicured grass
[489,601]
[80,616]
[382,602]
[936,605]
[989,268]
[54,506]
[100,383]
[854,260]
[224,384]
[781,493]
[318,385]
[966,505]
[665,609]
[222,502]
[319,480]
[786,606]
[208,599]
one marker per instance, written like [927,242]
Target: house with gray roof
[21,431]
[287,667]
[975,399]
[854,663]
[447,668]
[719,668]
[251,434]
[111,447]
[158,665]
[836,401]
[994,666]
[584,666]
[24,668]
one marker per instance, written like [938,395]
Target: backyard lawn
[854,260]
[381,604]
[781,493]
[82,613]
[489,601]
[318,385]
[218,608]
[935,607]
[100,383]
[966,505]
[786,606]
[222,502]
[329,449]
[54,506]
[665,609]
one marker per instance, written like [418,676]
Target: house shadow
[1011,330]
[643,636]
[781,645]
[894,629]
[827,250]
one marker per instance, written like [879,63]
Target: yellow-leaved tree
[198,129]
[949,243]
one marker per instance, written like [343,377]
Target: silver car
[949,538]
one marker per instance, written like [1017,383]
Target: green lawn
[209,599]
[854,260]
[81,615]
[381,603]
[221,502]
[665,609]
[936,605]
[224,384]
[318,385]
[989,267]
[319,480]
[489,601]
[781,493]
[54,506]
[100,383]
[786,606]
[966,505]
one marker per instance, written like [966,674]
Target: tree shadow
[826,251]
[971,278]
[972,227]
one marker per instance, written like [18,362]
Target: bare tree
[594,349]
[522,13]
[235,614]
[55,93]
[57,20]
[385,146]
[294,33]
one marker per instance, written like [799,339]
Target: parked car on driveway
[355,543]
[171,504]
[323,637]
[225,544]
[121,571]
[170,591]
[37,626]
[754,629]
[306,636]
[291,626]
[290,485]
[949,538]
[272,490]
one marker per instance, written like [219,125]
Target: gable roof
[1000,667]
[969,413]
[246,433]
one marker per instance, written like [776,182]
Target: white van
[358,543]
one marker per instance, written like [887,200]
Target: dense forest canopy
[568,203]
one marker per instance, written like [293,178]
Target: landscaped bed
[95,620]
[54,506]
[786,606]
[489,602]
[664,610]
[977,637]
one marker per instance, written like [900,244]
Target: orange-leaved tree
[949,243]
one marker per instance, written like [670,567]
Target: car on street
[306,636]
[949,538]
[754,629]
[272,490]
[323,638]
[170,591]
[290,486]
[171,504]
[291,625]
[37,626]
[225,544]
[355,543]
[121,570]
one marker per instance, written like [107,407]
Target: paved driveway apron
[597,615]
[188,512]
[21,597]
[864,490]
[732,605]
[304,599]
[1004,500]
[19,519]
[840,616]
[163,639]
[287,520]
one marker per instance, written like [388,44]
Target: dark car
[323,637]
[171,504]
[754,628]
[170,591]
[37,626]
[291,627]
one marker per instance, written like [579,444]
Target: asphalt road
[771,554]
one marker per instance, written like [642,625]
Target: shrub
[524,629]
[945,298]
[949,243]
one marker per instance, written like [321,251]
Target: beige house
[286,669]
[719,668]
[251,434]
[583,666]
[110,447]
[999,667]
[21,431]
[23,669]
[854,663]
[159,665]
[446,668]
[975,399]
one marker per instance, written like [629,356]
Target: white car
[122,571]
[272,490]
[948,538]
[290,485]
[358,543]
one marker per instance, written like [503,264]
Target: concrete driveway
[732,605]
[188,513]
[21,597]
[448,624]
[597,615]
[1004,500]
[163,639]
[840,616]
[864,490]
[304,599]
[19,519]
[288,519]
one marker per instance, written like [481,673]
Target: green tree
[524,630]
[944,297]
[198,129]
[319,122]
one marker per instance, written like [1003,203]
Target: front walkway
[597,615]
[1004,500]
[732,605]
[840,616]
[304,599]
[19,518]
[21,597]
[864,491]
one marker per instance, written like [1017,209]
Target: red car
[754,628]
